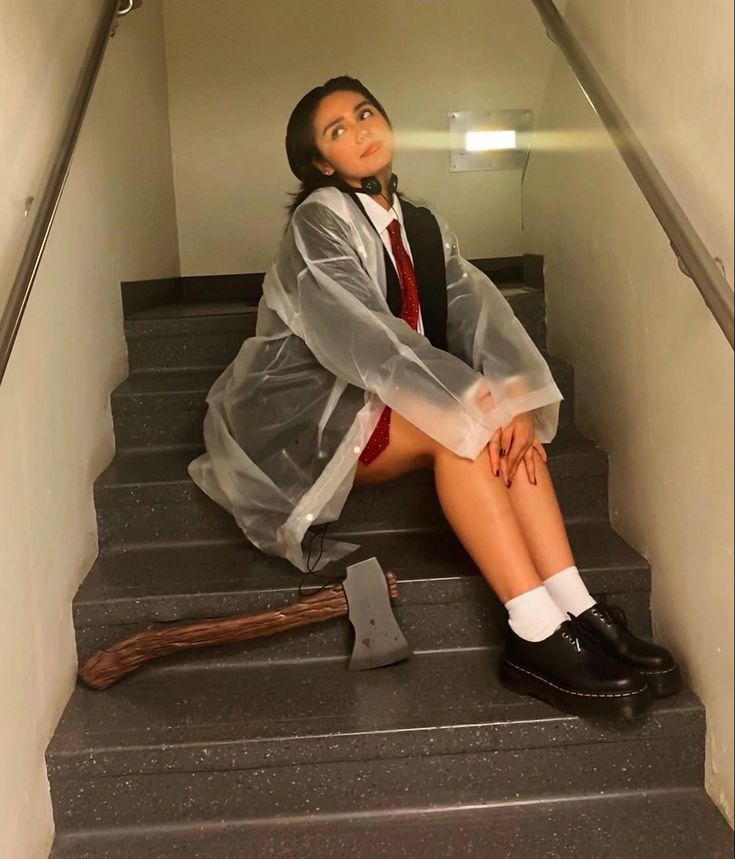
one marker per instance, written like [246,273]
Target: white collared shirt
[381,218]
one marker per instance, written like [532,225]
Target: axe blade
[378,638]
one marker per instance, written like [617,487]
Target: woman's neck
[386,198]
[383,176]
[387,204]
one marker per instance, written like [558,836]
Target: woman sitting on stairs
[379,351]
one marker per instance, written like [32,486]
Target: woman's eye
[366,111]
[334,134]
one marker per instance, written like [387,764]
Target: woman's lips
[372,148]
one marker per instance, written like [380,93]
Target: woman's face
[352,136]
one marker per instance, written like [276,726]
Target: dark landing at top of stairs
[272,748]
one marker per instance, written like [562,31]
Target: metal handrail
[694,259]
[31,259]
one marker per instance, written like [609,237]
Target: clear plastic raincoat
[288,418]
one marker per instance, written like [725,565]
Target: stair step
[272,747]
[167,407]
[254,742]
[443,602]
[679,823]
[162,407]
[194,311]
[210,333]
[148,497]
[188,335]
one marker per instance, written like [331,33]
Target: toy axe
[365,596]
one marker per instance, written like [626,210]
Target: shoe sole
[616,705]
[662,683]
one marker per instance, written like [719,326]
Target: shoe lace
[577,632]
[612,612]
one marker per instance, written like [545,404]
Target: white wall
[116,222]
[654,374]
[236,70]
[40,46]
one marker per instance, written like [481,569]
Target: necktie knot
[394,229]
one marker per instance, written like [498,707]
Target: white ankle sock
[534,615]
[569,591]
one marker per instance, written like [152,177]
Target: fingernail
[509,482]
[502,451]
[497,473]
[535,483]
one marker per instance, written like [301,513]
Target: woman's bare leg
[541,521]
[476,503]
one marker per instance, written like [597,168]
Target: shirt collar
[378,215]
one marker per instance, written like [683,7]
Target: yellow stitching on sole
[570,692]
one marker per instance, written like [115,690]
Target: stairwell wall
[236,70]
[116,221]
[654,373]
[40,46]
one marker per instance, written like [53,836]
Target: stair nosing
[320,739]
[428,813]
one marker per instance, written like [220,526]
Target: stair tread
[143,583]
[136,466]
[240,306]
[189,379]
[677,823]
[193,309]
[316,710]
[151,382]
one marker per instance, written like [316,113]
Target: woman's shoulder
[428,207]
[327,200]
[423,205]
[325,220]
[416,202]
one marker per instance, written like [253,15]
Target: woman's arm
[483,331]
[325,295]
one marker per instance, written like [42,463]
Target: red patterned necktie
[409,313]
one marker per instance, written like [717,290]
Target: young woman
[378,351]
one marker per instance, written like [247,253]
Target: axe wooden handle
[110,664]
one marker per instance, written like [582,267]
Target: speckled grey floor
[678,824]
[272,748]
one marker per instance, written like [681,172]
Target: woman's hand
[513,444]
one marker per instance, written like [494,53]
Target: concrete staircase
[272,748]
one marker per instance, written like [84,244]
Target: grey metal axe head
[378,638]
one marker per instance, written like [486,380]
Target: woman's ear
[323,166]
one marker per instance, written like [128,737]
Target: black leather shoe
[609,625]
[570,670]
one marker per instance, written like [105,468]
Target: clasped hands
[514,444]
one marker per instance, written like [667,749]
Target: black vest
[425,239]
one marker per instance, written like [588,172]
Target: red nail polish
[497,473]
[509,482]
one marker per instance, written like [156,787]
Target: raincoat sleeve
[484,332]
[339,310]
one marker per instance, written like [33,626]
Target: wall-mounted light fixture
[498,140]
